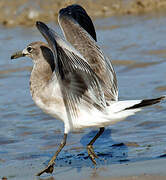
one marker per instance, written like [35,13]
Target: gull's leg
[50,167]
[90,150]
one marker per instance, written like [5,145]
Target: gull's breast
[49,99]
[54,107]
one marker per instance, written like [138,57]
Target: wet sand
[144,170]
[26,12]
[141,177]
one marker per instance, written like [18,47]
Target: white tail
[119,110]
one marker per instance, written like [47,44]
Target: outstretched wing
[77,33]
[78,82]
[79,14]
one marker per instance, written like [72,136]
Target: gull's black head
[79,14]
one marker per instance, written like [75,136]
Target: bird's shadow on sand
[108,151]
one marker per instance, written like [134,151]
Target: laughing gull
[74,82]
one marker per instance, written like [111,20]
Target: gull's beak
[19,54]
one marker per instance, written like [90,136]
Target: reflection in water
[157,52]
[140,65]
[8,71]
[161,88]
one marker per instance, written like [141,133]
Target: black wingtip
[78,13]
[47,33]
[147,102]
[41,25]
[12,57]
[37,23]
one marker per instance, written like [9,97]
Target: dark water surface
[28,137]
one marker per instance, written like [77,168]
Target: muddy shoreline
[26,12]
[143,170]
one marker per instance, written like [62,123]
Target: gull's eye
[29,49]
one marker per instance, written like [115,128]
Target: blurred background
[132,34]
[26,12]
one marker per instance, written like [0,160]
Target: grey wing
[79,84]
[82,41]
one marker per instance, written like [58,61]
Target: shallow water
[28,137]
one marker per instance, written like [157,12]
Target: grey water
[28,137]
